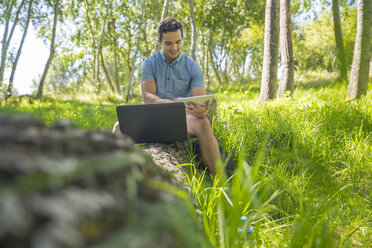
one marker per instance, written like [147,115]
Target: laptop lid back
[153,123]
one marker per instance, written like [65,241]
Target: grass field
[304,164]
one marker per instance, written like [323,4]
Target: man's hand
[196,110]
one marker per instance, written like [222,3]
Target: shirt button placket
[168,82]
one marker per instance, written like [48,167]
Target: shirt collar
[175,61]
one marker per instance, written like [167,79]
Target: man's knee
[116,127]
[202,126]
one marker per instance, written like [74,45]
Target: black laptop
[153,123]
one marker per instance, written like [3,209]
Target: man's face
[172,42]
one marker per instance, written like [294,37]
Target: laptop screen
[153,123]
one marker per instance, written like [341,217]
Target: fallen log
[170,157]
[62,187]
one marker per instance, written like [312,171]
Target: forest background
[304,161]
[99,47]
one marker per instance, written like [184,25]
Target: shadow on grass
[84,115]
[317,84]
[252,86]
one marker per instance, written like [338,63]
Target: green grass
[85,112]
[304,175]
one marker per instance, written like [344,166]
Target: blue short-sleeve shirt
[172,80]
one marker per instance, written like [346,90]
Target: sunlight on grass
[304,164]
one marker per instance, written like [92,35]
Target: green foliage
[233,30]
[85,111]
[310,155]
[304,164]
[314,45]
[304,170]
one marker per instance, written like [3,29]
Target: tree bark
[270,63]
[15,63]
[78,188]
[210,50]
[99,84]
[98,55]
[106,73]
[193,31]
[203,53]
[226,71]
[132,68]
[94,42]
[6,38]
[362,52]
[116,67]
[243,73]
[206,62]
[52,50]
[287,77]
[207,72]
[5,35]
[340,51]
[164,13]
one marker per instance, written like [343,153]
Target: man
[170,74]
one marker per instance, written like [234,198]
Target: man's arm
[149,93]
[198,91]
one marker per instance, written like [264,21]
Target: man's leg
[208,144]
[116,128]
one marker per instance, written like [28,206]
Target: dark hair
[168,24]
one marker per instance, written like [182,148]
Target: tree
[287,77]
[362,52]
[7,37]
[132,68]
[131,76]
[92,32]
[270,62]
[225,21]
[114,37]
[211,52]
[193,31]
[51,53]
[340,51]
[106,73]
[163,15]
[15,63]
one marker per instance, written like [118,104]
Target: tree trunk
[362,52]
[340,51]
[98,74]
[203,53]
[6,38]
[145,42]
[207,72]
[210,49]
[215,70]
[4,44]
[79,188]
[94,43]
[15,63]
[206,62]
[52,50]
[242,74]
[106,73]
[98,55]
[164,13]
[132,68]
[226,71]
[287,78]
[116,67]
[193,31]
[270,61]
